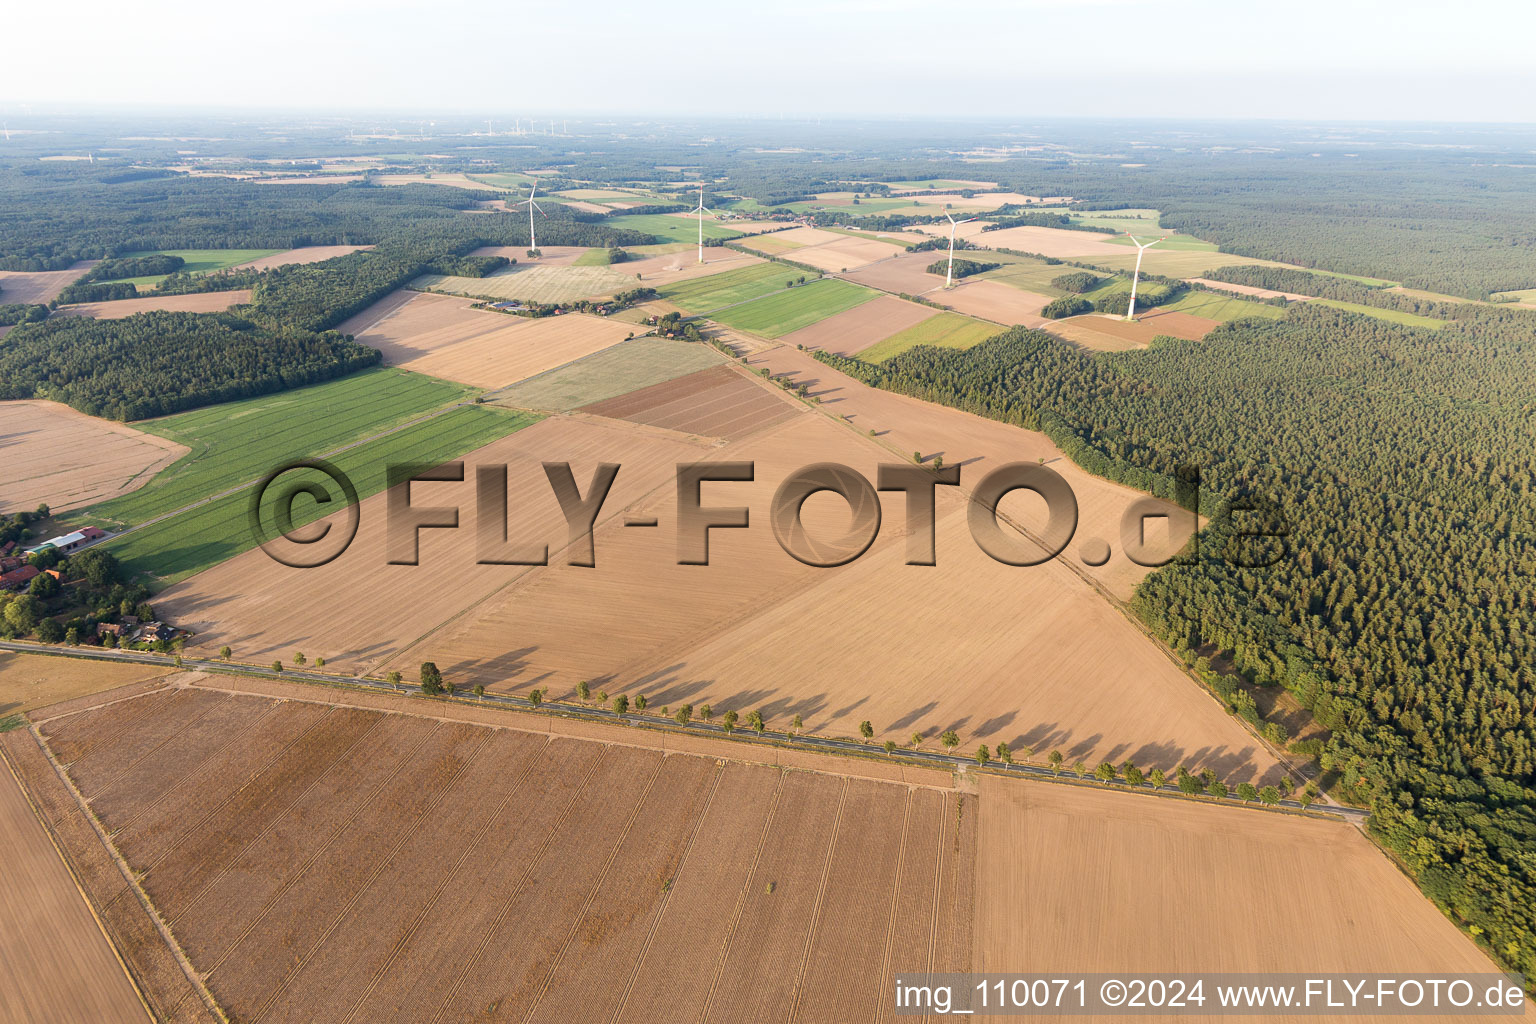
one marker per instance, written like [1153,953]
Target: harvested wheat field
[794,238]
[443,336]
[1081,880]
[993,300]
[846,253]
[32,681]
[718,402]
[334,863]
[533,282]
[195,302]
[549,255]
[667,268]
[857,329]
[1113,334]
[359,609]
[56,456]
[57,965]
[904,273]
[304,254]
[41,287]
[624,367]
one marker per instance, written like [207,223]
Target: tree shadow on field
[504,668]
[911,717]
[992,725]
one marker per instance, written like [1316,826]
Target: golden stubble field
[62,458]
[1079,880]
[194,302]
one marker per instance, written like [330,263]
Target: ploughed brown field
[845,253]
[906,272]
[196,302]
[1075,879]
[65,459]
[794,238]
[40,287]
[856,329]
[1247,289]
[444,336]
[319,863]
[1112,334]
[718,402]
[684,265]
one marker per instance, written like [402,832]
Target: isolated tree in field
[621,704]
[277,667]
[431,678]
[890,746]
[796,724]
[1105,772]
[755,720]
[641,703]
[684,714]
[1081,770]
[392,678]
[535,696]
[1133,775]
[583,691]
[1217,789]
[298,658]
[1287,787]
[225,653]
[1055,759]
[866,730]
[479,690]
[983,755]
[1246,792]
[1190,784]
[950,739]
[319,663]
[707,713]
[730,721]
[1158,778]
[602,696]
[450,689]
[1004,754]
[1269,795]
[917,740]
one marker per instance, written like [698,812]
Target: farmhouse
[18,578]
[69,541]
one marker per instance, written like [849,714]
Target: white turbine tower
[1141,250]
[949,274]
[702,210]
[532,190]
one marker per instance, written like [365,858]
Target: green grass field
[625,367]
[1526,295]
[503,180]
[703,294]
[594,258]
[1394,315]
[235,443]
[948,330]
[1021,272]
[1137,221]
[896,242]
[173,549]
[670,228]
[1216,306]
[199,261]
[774,316]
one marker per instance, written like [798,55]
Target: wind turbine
[532,190]
[949,274]
[1141,250]
[702,211]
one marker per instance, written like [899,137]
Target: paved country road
[830,745]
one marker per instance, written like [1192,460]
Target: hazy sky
[1468,61]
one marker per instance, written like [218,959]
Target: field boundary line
[189,776]
[473,959]
[96,707]
[266,908]
[319,776]
[890,927]
[244,785]
[516,788]
[74,878]
[383,862]
[146,905]
[666,897]
[821,893]
[741,897]
[92,748]
[938,884]
[597,885]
